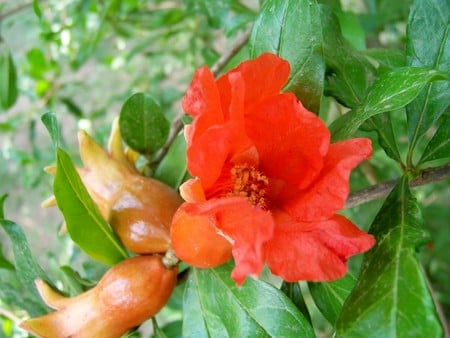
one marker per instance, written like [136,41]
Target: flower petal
[314,251]
[205,235]
[262,77]
[291,141]
[330,190]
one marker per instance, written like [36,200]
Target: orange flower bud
[127,295]
[138,208]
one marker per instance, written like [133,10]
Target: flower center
[250,183]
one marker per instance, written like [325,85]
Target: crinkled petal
[205,235]
[291,141]
[314,251]
[329,192]
[262,77]
[210,151]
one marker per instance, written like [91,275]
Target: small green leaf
[391,91]
[428,45]
[215,307]
[26,267]
[172,168]
[52,125]
[143,126]
[330,296]
[85,224]
[439,145]
[36,9]
[392,290]
[292,29]
[8,78]
[157,332]
[352,30]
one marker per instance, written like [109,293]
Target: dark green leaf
[330,296]
[215,307]
[292,29]
[173,329]
[294,293]
[386,59]
[74,284]
[348,71]
[439,146]
[8,78]
[382,125]
[2,205]
[391,91]
[72,107]
[143,126]
[85,224]
[428,45]
[172,168]
[4,263]
[52,125]
[26,267]
[392,290]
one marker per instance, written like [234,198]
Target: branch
[177,125]
[15,10]
[380,190]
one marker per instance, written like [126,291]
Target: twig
[380,190]
[177,125]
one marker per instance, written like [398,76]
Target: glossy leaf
[392,290]
[391,91]
[439,145]
[292,29]
[85,224]
[52,125]
[143,126]
[26,267]
[349,72]
[428,45]
[172,168]
[215,307]
[8,78]
[330,296]
[382,125]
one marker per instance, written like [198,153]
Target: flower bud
[130,293]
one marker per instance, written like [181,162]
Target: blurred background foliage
[81,59]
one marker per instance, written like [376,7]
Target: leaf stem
[177,124]
[425,176]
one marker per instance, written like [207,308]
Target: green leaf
[172,168]
[386,59]
[382,125]
[294,293]
[36,9]
[428,45]
[85,224]
[215,307]
[157,332]
[439,145]
[349,72]
[292,29]
[26,267]
[52,125]
[143,126]
[330,296]
[391,91]
[352,30]
[392,290]
[8,78]
[4,263]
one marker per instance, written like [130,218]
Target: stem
[177,125]
[425,176]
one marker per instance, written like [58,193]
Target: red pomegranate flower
[267,182]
